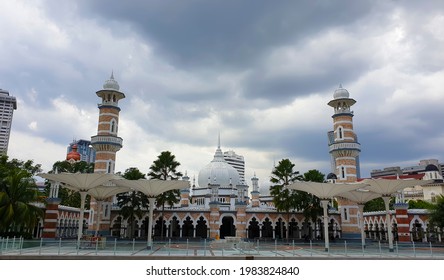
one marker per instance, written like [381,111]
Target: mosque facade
[220,205]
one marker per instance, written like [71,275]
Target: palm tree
[284,199]
[132,204]
[18,214]
[311,204]
[165,168]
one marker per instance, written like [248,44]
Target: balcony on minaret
[106,140]
[345,146]
[108,103]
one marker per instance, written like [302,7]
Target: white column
[99,207]
[388,223]
[150,221]
[325,205]
[361,218]
[82,210]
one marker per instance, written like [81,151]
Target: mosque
[219,205]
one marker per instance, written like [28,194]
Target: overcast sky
[260,73]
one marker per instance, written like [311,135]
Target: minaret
[345,149]
[106,144]
[343,144]
[255,193]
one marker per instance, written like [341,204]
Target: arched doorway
[174,227]
[201,228]
[160,228]
[267,229]
[144,227]
[294,229]
[280,229]
[187,228]
[227,228]
[253,229]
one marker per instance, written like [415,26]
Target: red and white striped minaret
[345,149]
[106,143]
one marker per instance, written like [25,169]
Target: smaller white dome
[341,93]
[111,84]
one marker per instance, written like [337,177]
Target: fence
[217,248]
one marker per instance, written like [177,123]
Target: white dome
[111,84]
[219,172]
[341,93]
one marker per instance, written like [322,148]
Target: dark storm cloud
[229,34]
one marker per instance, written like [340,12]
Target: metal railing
[217,248]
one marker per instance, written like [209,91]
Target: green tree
[437,212]
[378,204]
[70,197]
[7,166]
[311,204]
[132,204]
[18,213]
[284,199]
[165,168]
[420,204]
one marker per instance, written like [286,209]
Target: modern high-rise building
[7,106]
[237,161]
[84,148]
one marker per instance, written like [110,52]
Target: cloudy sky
[260,73]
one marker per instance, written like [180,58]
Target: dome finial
[218,141]
[340,85]
[111,83]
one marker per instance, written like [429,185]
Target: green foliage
[283,175]
[75,167]
[18,193]
[377,204]
[165,168]
[132,204]
[286,199]
[311,204]
[70,197]
[420,204]
[437,212]
[8,166]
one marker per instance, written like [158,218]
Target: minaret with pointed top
[106,143]
[343,142]
[344,150]
[255,202]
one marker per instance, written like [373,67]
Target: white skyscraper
[237,162]
[7,106]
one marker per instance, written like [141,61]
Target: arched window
[110,167]
[343,172]
[113,126]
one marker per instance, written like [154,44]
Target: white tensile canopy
[152,188]
[387,187]
[101,193]
[361,197]
[81,182]
[324,191]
